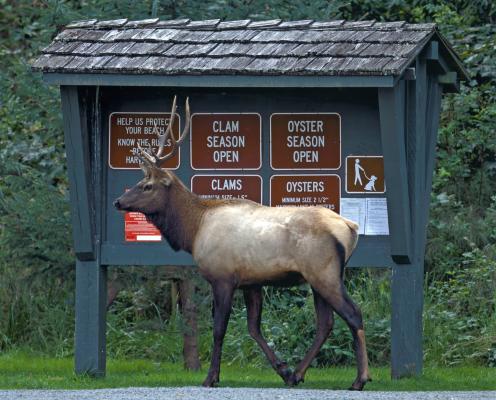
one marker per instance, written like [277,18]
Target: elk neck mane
[180,218]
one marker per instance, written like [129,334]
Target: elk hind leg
[253,301]
[324,321]
[223,294]
[335,294]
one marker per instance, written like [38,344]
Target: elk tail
[343,257]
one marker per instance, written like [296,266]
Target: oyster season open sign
[226,141]
[305,141]
[127,130]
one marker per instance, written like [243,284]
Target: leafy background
[36,259]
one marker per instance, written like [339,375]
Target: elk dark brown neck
[179,220]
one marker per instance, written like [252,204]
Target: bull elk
[239,244]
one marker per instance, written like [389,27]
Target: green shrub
[36,263]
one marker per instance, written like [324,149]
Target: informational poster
[305,190]
[369,213]
[138,229]
[127,130]
[226,141]
[365,174]
[354,209]
[228,187]
[305,141]
[376,217]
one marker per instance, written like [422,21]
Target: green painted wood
[406,319]
[197,81]
[91,276]
[372,253]
[78,167]
[433,110]
[454,60]
[407,280]
[418,136]
[391,109]
[448,78]
[91,297]
[409,74]
[437,63]
[369,253]
[432,51]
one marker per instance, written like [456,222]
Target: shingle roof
[244,47]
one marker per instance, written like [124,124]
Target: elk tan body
[242,244]
[256,244]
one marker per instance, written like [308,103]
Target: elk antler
[156,158]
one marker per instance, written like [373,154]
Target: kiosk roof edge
[239,49]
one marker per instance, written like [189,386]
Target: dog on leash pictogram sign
[365,174]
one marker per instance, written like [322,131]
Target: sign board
[226,141]
[305,190]
[305,141]
[365,174]
[228,187]
[127,130]
[138,229]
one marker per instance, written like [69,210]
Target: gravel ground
[195,393]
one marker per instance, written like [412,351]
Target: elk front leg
[324,321]
[223,293]
[253,301]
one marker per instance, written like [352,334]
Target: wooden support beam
[449,78]
[433,110]
[78,168]
[392,112]
[449,81]
[255,81]
[406,320]
[432,51]
[416,143]
[91,302]
[409,74]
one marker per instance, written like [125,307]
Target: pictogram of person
[358,170]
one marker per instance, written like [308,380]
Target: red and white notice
[138,229]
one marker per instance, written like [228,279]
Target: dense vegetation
[37,264]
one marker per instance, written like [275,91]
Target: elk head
[150,194]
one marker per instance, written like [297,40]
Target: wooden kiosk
[339,114]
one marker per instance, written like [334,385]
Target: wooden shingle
[181,46]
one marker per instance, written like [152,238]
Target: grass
[21,371]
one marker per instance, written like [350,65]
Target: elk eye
[147,187]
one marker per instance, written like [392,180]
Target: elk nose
[117,204]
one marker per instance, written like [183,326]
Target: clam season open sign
[305,141]
[226,141]
[127,130]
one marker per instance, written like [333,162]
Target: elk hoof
[210,382]
[359,384]
[295,379]
[286,374]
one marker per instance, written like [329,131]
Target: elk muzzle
[117,204]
